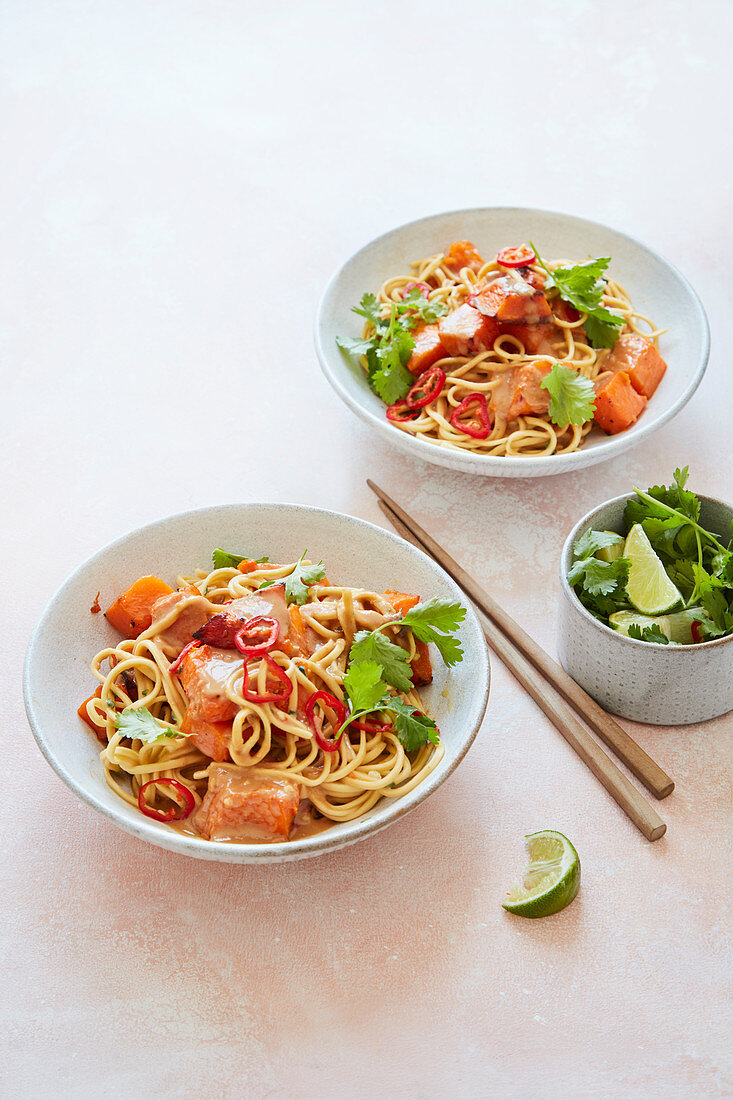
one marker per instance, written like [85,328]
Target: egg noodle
[484,373]
[278,743]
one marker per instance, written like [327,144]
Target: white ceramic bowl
[57,675]
[656,287]
[643,681]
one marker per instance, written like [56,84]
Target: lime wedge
[680,624]
[622,620]
[649,588]
[552,879]
[612,552]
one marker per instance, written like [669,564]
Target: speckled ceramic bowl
[57,675]
[643,681]
[657,289]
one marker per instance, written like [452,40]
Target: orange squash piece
[132,612]
[463,254]
[247,565]
[617,403]
[401,601]
[639,358]
[99,728]
[428,349]
[211,737]
[422,669]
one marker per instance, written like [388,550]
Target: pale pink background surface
[179,181]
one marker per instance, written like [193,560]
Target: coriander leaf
[584,283]
[222,559]
[602,327]
[371,309]
[374,647]
[591,541]
[138,722]
[391,380]
[572,397]
[364,684]
[427,619]
[354,346]
[722,566]
[648,634]
[710,591]
[583,286]
[427,310]
[599,585]
[413,728]
[601,578]
[299,580]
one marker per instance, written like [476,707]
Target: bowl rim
[569,592]
[282,851]
[473,463]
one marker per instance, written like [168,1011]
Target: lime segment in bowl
[612,552]
[552,879]
[649,588]
[677,627]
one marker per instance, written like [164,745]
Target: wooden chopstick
[639,811]
[639,763]
[621,789]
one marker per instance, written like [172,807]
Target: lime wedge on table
[612,552]
[552,879]
[649,588]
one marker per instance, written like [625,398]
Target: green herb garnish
[139,724]
[583,286]
[378,665]
[696,560]
[222,559]
[572,397]
[648,634]
[299,580]
[389,348]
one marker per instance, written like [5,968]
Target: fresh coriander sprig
[377,666]
[572,397]
[389,348]
[223,559]
[139,724]
[583,286]
[682,518]
[299,580]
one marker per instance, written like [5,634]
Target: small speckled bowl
[643,681]
[57,675]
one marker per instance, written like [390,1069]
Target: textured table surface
[179,181]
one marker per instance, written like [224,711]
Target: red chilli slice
[477,422]
[280,697]
[372,727]
[181,657]
[244,638]
[401,413]
[327,700]
[695,630]
[424,288]
[520,256]
[426,388]
[176,813]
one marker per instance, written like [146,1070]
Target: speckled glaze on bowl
[657,289]
[57,675]
[643,681]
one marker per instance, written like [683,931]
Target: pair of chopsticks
[552,689]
